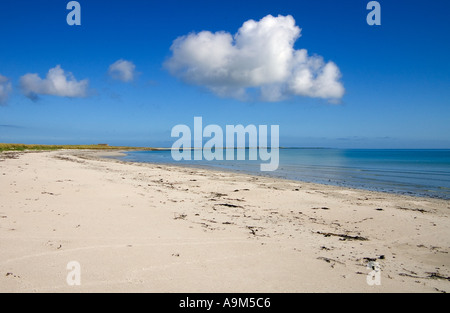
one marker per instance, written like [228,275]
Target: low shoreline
[171,228]
[116,155]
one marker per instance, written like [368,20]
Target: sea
[422,173]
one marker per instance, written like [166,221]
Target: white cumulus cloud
[122,70]
[259,56]
[5,89]
[57,83]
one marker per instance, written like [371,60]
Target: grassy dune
[23,147]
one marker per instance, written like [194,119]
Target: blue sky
[396,76]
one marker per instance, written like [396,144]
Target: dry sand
[157,228]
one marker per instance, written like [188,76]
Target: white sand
[153,228]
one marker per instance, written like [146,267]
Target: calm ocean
[413,172]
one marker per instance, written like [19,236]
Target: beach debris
[343,236]
[414,210]
[179,216]
[230,205]
[218,194]
[206,226]
[49,193]
[63,158]
[328,260]
[431,275]
[363,220]
[380,257]
[9,155]
[252,230]
[437,276]
[379,209]
[323,208]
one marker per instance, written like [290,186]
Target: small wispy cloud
[362,138]
[260,56]
[57,83]
[5,90]
[122,70]
[10,126]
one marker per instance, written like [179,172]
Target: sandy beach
[158,228]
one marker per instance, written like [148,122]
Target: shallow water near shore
[423,173]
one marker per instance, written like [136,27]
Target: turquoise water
[413,172]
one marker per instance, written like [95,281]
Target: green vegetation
[22,147]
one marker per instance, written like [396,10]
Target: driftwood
[343,236]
